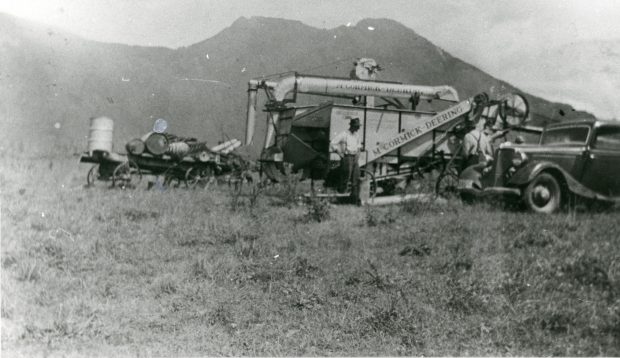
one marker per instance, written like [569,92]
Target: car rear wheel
[543,194]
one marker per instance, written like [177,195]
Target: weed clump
[421,250]
[29,270]
[8,261]
[241,199]
[286,191]
[425,206]
[303,268]
[247,245]
[394,319]
[588,271]
[222,316]
[318,209]
[534,238]
[464,297]
[375,217]
[200,269]
[308,301]
[165,285]
[136,215]
[378,280]
[557,322]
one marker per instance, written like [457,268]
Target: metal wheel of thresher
[198,176]
[514,110]
[126,175]
[447,182]
[92,176]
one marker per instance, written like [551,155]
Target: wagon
[127,170]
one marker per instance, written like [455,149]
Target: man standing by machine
[347,145]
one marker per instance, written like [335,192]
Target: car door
[602,169]
[566,147]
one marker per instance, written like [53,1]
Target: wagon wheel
[198,176]
[447,182]
[126,175]
[92,176]
[172,179]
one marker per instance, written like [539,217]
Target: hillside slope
[51,82]
[584,73]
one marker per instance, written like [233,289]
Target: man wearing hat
[347,145]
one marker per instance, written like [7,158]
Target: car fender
[526,174]
[470,178]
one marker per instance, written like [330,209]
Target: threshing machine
[404,128]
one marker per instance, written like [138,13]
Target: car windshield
[565,136]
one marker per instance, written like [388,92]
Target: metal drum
[101,135]
[156,143]
[135,146]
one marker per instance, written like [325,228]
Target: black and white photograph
[190,178]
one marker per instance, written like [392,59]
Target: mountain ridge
[54,82]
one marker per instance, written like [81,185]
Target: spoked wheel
[514,110]
[198,177]
[446,184]
[171,181]
[92,176]
[543,194]
[126,175]
[173,177]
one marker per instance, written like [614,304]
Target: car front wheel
[543,194]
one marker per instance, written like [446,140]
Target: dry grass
[182,272]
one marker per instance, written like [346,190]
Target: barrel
[101,135]
[135,146]
[156,143]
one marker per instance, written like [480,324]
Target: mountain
[584,73]
[52,82]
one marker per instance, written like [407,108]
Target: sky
[174,23]
[485,33]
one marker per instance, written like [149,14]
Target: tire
[543,194]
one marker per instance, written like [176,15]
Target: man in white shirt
[476,148]
[347,145]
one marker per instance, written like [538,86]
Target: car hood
[538,148]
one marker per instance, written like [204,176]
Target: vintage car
[575,161]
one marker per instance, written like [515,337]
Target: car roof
[587,121]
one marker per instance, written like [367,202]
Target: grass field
[203,272]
